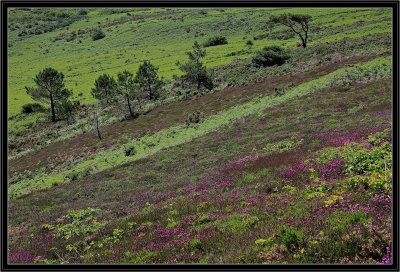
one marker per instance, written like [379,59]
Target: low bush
[32,107]
[130,151]
[270,56]
[98,34]
[239,52]
[75,175]
[195,118]
[82,12]
[290,237]
[364,161]
[374,183]
[217,40]
[380,137]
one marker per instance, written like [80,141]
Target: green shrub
[290,237]
[339,241]
[98,34]
[214,41]
[195,244]
[283,145]
[130,151]
[203,219]
[82,12]
[67,109]
[282,35]
[260,37]
[237,223]
[239,52]
[379,137]
[110,11]
[76,223]
[269,56]
[249,43]
[73,176]
[194,118]
[362,161]
[339,221]
[375,182]
[32,107]
[114,237]
[141,257]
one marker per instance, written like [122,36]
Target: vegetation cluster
[239,138]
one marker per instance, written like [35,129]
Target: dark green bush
[249,43]
[110,11]
[260,37]
[74,176]
[98,34]
[290,237]
[239,52]
[82,12]
[217,40]
[32,107]
[130,151]
[270,56]
[195,118]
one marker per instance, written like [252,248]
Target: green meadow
[162,36]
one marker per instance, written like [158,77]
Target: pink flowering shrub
[23,257]
[388,257]
[293,170]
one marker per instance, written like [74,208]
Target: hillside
[289,163]
[163,36]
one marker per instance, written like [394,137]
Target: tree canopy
[148,81]
[194,69]
[105,89]
[298,23]
[50,89]
[127,89]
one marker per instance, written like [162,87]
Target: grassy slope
[181,134]
[177,112]
[197,190]
[162,38]
[207,184]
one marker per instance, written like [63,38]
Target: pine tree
[127,89]
[105,89]
[194,69]
[148,81]
[50,89]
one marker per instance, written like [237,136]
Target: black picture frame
[394,5]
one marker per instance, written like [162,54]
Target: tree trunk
[304,43]
[129,106]
[150,92]
[198,82]
[97,126]
[53,112]
[305,35]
